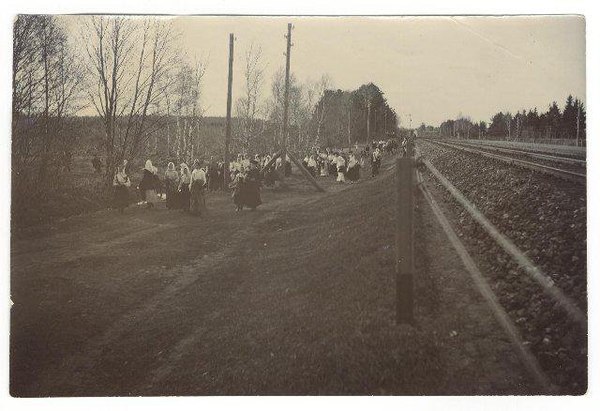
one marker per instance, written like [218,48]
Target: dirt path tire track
[82,365]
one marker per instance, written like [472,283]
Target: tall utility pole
[368,121]
[228,124]
[578,113]
[286,91]
[283,152]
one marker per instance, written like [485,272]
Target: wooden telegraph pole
[286,91]
[228,124]
[284,151]
[368,121]
[578,114]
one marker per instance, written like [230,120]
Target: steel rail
[563,151]
[534,154]
[565,174]
[527,357]
[547,284]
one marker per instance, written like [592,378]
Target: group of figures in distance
[121,88]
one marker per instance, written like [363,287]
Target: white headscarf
[352,161]
[149,166]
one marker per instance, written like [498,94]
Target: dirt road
[294,298]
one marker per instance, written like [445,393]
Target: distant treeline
[524,125]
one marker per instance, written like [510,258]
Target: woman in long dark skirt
[198,181]
[121,184]
[237,185]
[251,187]
[375,162]
[172,186]
[184,187]
[149,184]
[353,172]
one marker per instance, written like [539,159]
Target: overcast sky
[431,67]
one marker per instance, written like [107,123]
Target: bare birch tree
[325,83]
[188,112]
[248,107]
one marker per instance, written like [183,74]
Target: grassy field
[294,298]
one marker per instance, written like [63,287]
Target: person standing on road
[375,162]
[121,184]
[212,175]
[237,185]
[251,190]
[184,187]
[340,163]
[353,173]
[171,185]
[312,166]
[197,182]
[149,185]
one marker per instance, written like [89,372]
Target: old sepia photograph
[221,205]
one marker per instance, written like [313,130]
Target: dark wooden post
[404,240]
[286,92]
[228,124]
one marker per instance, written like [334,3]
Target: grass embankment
[295,298]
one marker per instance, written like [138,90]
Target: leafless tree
[316,94]
[129,61]
[186,108]
[274,104]
[46,89]
[248,107]
[300,109]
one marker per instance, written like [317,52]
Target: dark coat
[149,181]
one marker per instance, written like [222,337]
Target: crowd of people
[185,189]
[346,165]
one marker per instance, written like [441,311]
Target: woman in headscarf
[251,187]
[237,185]
[332,159]
[149,184]
[212,174]
[323,165]
[353,172]
[198,180]
[312,166]
[340,163]
[375,162]
[184,187]
[121,184]
[171,186]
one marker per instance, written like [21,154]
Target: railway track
[558,151]
[570,175]
[572,318]
[526,153]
